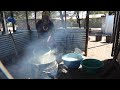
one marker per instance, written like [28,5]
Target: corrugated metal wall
[7,45]
[67,40]
[34,35]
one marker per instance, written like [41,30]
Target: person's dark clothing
[46,34]
[40,28]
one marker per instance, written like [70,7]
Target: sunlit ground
[99,50]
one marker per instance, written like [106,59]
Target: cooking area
[42,48]
[39,62]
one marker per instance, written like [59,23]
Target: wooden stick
[14,43]
[5,71]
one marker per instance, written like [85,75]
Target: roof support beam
[87,30]
[13,25]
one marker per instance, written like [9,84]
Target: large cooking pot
[43,63]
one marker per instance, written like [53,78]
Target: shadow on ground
[98,46]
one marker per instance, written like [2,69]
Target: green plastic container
[92,66]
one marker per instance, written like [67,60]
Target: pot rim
[102,64]
[82,57]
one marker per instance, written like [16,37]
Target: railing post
[87,31]
[13,25]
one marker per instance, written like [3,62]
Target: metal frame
[87,26]
[65,20]
[78,19]
[2,22]
[114,28]
[87,31]
[116,34]
[28,26]
[13,25]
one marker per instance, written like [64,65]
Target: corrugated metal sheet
[7,46]
[66,40]
[34,35]
[69,39]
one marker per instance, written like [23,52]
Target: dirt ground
[99,50]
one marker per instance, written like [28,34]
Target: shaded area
[80,74]
[106,42]
[93,41]
[19,72]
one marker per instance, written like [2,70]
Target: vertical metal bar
[65,20]
[116,52]
[35,24]
[117,35]
[62,19]
[78,19]
[87,31]
[2,21]
[35,19]
[14,44]
[28,26]
[13,25]
[114,31]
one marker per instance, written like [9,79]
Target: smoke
[45,50]
[42,51]
[36,54]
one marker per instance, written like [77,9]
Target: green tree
[19,14]
[98,12]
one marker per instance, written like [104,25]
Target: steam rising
[46,51]
[33,64]
[40,56]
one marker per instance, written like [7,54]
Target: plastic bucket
[92,66]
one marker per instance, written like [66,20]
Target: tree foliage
[98,12]
[19,14]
